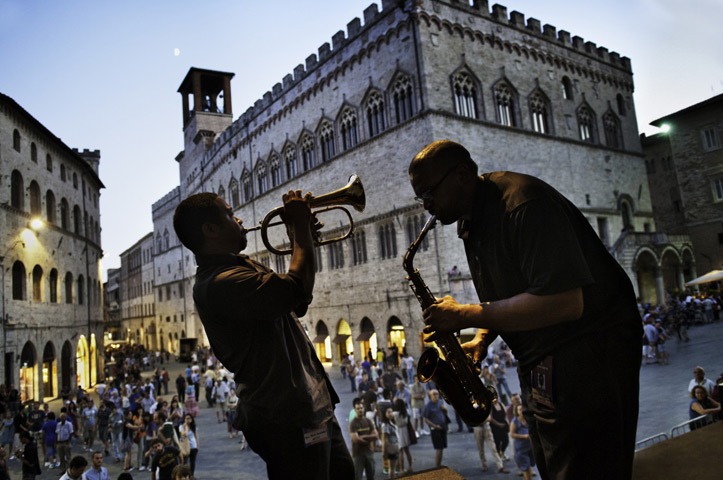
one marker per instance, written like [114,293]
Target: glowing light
[36,224]
[665,128]
[176,52]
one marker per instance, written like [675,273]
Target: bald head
[442,154]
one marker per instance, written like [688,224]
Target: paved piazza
[664,403]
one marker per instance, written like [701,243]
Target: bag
[392,449]
[412,433]
[184,445]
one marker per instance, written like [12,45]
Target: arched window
[159,243]
[68,287]
[586,124]
[326,138]
[261,179]
[387,241]
[626,210]
[403,94]
[540,112]
[621,105]
[307,152]
[35,203]
[506,102]
[465,95]
[76,219]
[613,132]
[50,207]
[233,188]
[64,211]
[222,193]
[48,162]
[349,132]
[358,247]
[16,140]
[567,92]
[18,281]
[75,180]
[375,114]
[414,227]
[166,240]
[62,172]
[33,152]
[53,284]
[37,284]
[290,161]
[336,255]
[81,290]
[275,168]
[17,190]
[247,186]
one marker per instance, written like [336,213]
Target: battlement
[549,32]
[86,153]
[172,196]
[341,38]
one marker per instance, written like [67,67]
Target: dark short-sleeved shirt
[434,413]
[247,311]
[362,426]
[526,237]
[165,461]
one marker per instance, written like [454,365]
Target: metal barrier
[684,427]
[647,442]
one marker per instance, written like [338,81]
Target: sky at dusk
[104,75]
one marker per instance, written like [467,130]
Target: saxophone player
[549,287]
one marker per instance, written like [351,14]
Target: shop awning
[319,339]
[364,336]
[340,338]
[712,276]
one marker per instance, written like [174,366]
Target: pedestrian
[523,447]
[49,440]
[483,436]
[363,435]
[7,433]
[103,425]
[220,394]
[699,378]
[419,392]
[181,388]
[231,405]
[75,470]
[165,459]
[402,421]
[97,471]
[390,441]
[435,415]
[563,303]
[188,433]
[131,436]
[500,428]
[28,456]
[116,432]
[164,380]
[181,472]
[286,404]
[64,433]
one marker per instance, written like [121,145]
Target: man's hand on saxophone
[448,316]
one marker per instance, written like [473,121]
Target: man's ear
[209,229]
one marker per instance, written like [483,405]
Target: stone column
[681,278]
[659,288]
[227,95]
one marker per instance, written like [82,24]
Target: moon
[176,52]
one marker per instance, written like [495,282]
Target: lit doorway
[322,342]
[81,364]
[28,373]
[367,340]
[395,332]
[343,339]
[50,372]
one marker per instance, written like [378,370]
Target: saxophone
[456,376]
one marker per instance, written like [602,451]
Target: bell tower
[206,107]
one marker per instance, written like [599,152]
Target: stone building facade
[51,294]
[685,172]
[137,304]
[519,95]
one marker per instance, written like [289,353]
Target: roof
[186,83]
[698,106]
[69,151]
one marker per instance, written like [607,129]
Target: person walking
[49,439]
[28,456]
[64,433]
[403,423]
[188,432]
[363,435]
[483,436]
[390,441]
[435,415]
[97,471]
[523,447]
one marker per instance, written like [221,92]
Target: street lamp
[36,224]
[665,128]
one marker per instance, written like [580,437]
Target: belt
[63,441]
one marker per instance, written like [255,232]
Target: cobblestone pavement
[663,394]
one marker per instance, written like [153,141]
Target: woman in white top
[401,419]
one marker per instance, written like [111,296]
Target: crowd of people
[392,409]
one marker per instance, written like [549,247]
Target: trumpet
[352,194]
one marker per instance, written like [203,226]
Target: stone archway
[82,362]
[367,339]
[670,266]
[66,367]
[50,371]
[397,339]
[29,373]
[646,271]
[322,342]
[343,339]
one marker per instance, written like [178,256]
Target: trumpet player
[549,287]
[286,401]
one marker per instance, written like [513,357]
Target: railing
[676,431]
